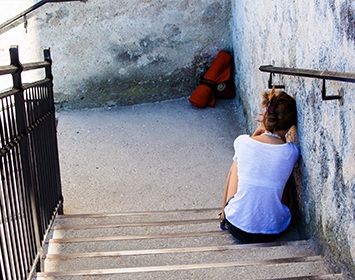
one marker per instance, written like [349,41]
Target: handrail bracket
[324,75]
[270,85]
[324,93]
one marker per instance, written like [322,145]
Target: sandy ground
[159,156]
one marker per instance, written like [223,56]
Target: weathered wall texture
[316,35]
[124,52]
[16,36]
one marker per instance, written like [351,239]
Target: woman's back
[259,162]
[263,170]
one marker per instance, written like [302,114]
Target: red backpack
[217,82]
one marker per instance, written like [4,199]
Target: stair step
[194,274]
[174,256]
[137,217]
[302,247]
[148,228]
[267,269]
[318,277]
[117,243]
[136,223]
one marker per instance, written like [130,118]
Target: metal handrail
[317,74]
[327,75]
[35,65]
[31,9]
[11,69]
[8,69]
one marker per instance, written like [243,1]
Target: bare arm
[231,186]
[261,128]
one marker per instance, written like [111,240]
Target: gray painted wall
[109,53]
[316,35]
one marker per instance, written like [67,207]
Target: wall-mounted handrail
[29,10]
[327,75]
[317,74]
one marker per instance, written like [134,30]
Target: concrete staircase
[183,244]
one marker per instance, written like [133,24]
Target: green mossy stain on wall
[98,92]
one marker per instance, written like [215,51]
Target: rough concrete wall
[316,35]
[124,52]
[9,9]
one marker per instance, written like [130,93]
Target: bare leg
[231,186]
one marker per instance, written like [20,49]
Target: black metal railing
[316,74]
[30,187]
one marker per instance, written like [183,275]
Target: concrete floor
[158,156]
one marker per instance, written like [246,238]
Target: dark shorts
[250,237]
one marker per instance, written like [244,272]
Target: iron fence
[30,187]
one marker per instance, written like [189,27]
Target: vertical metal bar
[3,257]
[5,252]
[48,69]
[9,230]
[44,154]
[12,187]
[30,108]
[5,261]
[21,199]
[53,130]
[20,195]
[24,143]
[31,230]
[12,192]
[35,152]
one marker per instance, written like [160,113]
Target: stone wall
[316,35]
[109,53]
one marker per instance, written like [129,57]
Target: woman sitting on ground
[252,208]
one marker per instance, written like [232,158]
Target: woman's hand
[261,128]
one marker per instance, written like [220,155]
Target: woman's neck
[277,137]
